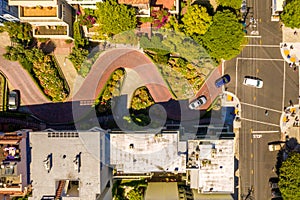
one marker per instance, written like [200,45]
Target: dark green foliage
[291,14]
[114,18]
[79,40]
[236,4]
[77,56]
[141,99]
[224,37]
[289,177]
[19,32]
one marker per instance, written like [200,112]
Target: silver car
[198,102]
[13,100]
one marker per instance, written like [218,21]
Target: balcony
[38,11]
[50,30]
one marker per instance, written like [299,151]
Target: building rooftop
[211,164]
[147,152]
[66,164]
[133,1]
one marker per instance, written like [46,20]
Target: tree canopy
[196,20]
[114,18]
[291,14]
[236,4]
[224,37]
[289,177]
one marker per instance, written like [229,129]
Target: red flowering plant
[85,20]
[160,18]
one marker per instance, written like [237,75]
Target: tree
[196,20]
[19,32]
[291,14]
[114,18]
[224,37]
[236,4]
[289,177]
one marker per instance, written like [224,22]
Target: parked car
[273,182]
[222,80]
[198,102]
[275,146]
[13,100]
[275,192]
[253,82]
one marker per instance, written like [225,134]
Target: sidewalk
[290,51]
[289,122]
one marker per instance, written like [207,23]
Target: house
[7,13]
[210,166]
[14,178]
[84,3]
[49,18]
[171,5]
[69,165]
[142,6]
[140,154]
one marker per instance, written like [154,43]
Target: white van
[253,82]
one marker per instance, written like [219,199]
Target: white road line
[266,123]
[252,36]
[264,132]
[283,90]
[261,45]
[265,108]
[267,59]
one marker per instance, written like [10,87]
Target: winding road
[85,92]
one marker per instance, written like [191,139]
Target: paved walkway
[290,51]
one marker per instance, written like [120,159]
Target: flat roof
[211,164]
[147,152]
[162,191]
[64,146]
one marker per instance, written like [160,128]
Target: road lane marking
[253,105]
[252,171]
[257,136]
[265,131]
[257,70]
[283,90]
[266,59]
[266,123]
[251,155]
[252,36]
[254,98]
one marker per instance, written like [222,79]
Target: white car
[198,102]
[253,82]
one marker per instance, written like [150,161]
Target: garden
[129,189]
[41,66]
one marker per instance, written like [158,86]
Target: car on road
[273,182]
[13,100]
[198,102]
[275,146]
[222,80]
[253,82]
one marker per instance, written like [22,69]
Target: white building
[67,165]
[49,18]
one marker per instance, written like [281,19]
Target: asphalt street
[260,58]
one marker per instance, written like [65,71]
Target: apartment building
[49,18]
[7,13]
[14,179]
[69,165]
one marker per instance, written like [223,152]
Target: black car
[222,80]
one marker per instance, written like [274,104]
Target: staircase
[59,189]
